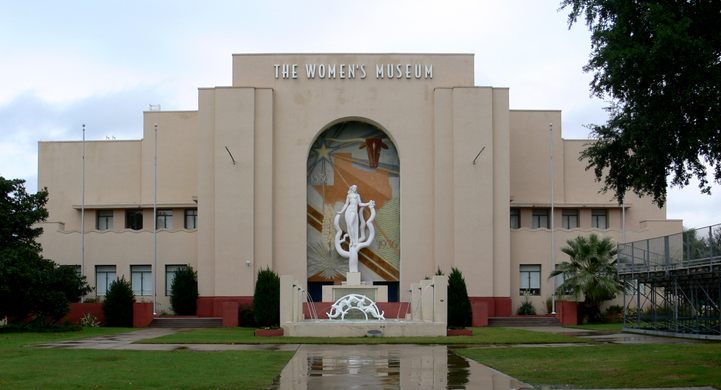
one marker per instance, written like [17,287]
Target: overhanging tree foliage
[32,288]
[659,65]
[184,291]
[591,272]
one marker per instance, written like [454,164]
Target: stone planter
[460,332]
[269,332]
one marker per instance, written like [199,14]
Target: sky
[102,63]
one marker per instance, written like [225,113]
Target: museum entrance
[353,153]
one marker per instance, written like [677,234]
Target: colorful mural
[361,154]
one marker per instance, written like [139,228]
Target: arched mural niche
[347,153]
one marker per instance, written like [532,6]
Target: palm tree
[591,272]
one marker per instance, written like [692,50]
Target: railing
[691,248]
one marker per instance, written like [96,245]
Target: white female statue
[356,227]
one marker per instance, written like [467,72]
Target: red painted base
[460,332]
[142,314]
[269,332]
[78,310]
[567,312]
[497,306]
[213,306]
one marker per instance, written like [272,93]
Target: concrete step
[187,322]
[524,321]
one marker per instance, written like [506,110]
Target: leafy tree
[591,272]
[459,306]
[32,288]
[118,304]
[266,299]
[184,291]
[657,63]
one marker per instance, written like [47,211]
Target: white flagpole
[82,215]
[553,227]
[155,220]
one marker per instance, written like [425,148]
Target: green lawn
[23,366]
[485,335]
[602,366]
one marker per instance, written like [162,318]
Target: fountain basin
[360,328]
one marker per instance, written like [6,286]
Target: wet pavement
[388,367]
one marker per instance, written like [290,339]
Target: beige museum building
[254,177]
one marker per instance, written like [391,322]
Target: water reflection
[387,367]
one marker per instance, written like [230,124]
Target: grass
[484,336]
[26,367]
[607,366]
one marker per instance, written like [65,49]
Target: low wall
[142,314]
[213,306]
[496,306]
[567,312]
[78,310]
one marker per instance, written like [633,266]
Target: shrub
[89,321]
[118,304]
[184,291]
[266,299]
[246,316]
[459,307]
[526,308]
[614,313]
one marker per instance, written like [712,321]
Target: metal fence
[674,283]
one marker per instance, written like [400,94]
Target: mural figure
[356,226]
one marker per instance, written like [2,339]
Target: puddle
[387,367]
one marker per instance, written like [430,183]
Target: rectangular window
[170,276]
[515,218]
[164,219]
[599,218]
[104,220]
[530,279]
[134,219]
[191,218]
[104,276]
[141,278]
[540,219]
[569,218]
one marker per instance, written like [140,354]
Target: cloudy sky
[103,62]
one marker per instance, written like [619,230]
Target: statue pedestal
[352,279]
[353,285]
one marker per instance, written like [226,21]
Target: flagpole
[553,237]
[82,215]
[155,220]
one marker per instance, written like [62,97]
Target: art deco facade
[253,178]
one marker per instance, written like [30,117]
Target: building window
[530,279]
[104,220]
[599,218]
[569,218]
[170,276]
[104,276]
[515,218]
[134,219]
[191,218]
[164,219]
[540,219]
[141,278]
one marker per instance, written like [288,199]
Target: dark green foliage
[591,272]
[266,299]
[459,306]
[246,316]
[526,309]
[657,63]
[184,291]
[32,288]
[118,304]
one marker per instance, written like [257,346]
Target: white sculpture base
[353,285]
